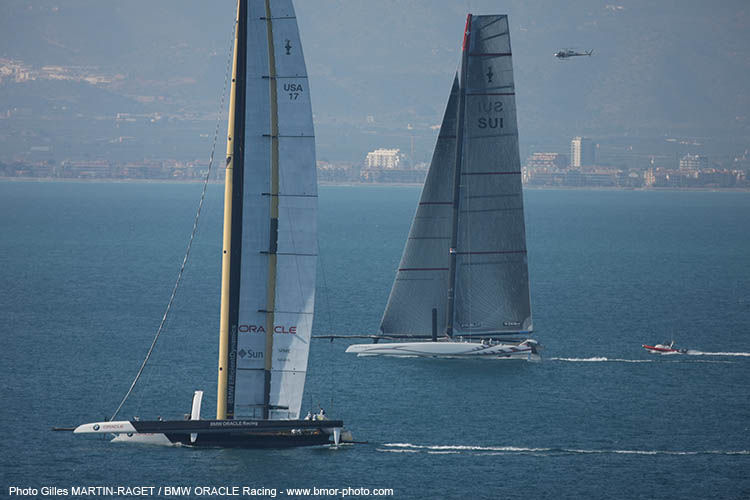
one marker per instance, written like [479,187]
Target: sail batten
[466,252]
[275,288]
[492,292]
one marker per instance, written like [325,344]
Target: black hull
[242,433]
[251,440]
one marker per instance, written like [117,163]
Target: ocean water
[87,268]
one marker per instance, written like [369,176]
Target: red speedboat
[664,349]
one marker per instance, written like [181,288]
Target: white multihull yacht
[489,349]
[462,287]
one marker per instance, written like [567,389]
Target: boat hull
[219,433]
[474,350]
[659,349]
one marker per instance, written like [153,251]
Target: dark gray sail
[466,252]
[492,284]
[422,276]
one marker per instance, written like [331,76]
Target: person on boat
[308,416]
[322,414]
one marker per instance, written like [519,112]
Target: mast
[457,181]
[232,215]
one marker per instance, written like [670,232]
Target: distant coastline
[110,181]
[374,184]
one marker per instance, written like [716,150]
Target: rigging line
[192,233]
[325,289]
[332,372]
[330,321]
[469,231]
[320,265]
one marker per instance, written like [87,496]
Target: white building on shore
[383,158]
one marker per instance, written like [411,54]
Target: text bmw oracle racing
[208,491]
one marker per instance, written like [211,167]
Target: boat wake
[601,359]
[505,450]
[701,353]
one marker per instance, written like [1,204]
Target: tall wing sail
[492,283]
[270,334]
[297,205]
[422,277]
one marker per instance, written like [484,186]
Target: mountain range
[380,71]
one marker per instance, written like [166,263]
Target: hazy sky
[666,68]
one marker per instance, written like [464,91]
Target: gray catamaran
[269,252]
[462,287]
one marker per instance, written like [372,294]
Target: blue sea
[87,269]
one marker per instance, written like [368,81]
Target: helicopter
[566,53]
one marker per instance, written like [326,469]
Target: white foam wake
[701,353]
[500,450]
[457,448]
[602,360]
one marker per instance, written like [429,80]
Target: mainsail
[466,252]
[492,283]
[273,239]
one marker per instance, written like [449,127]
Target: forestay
[422,277]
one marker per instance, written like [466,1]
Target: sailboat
[269,253]
[462,287]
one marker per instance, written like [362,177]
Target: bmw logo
[96,427]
